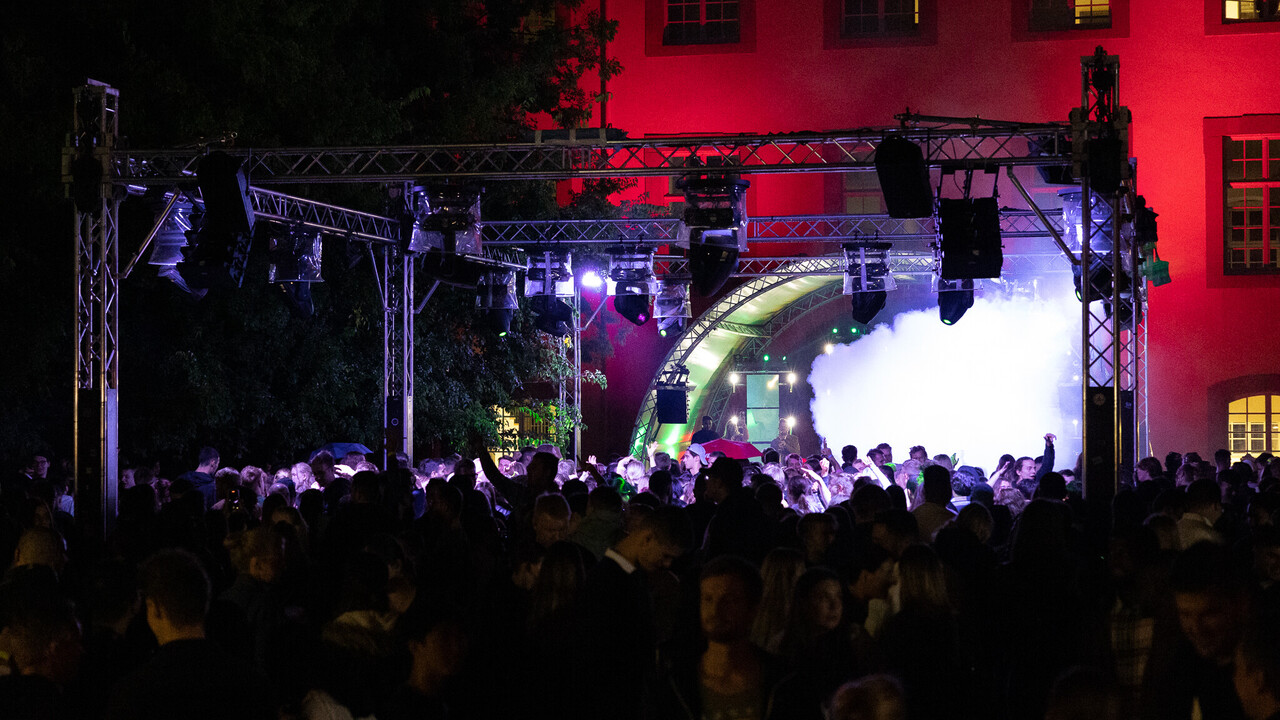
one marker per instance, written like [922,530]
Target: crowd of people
[697,586]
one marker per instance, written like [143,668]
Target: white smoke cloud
[985,386]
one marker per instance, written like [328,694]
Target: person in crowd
[781,569]
[619,629]
[932,514]
[786,441]
[1190,673]
[1203,509]
[706,433]
[201,479]
[730,677]
[874,697]
[189,676]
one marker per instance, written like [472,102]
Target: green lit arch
[718,334]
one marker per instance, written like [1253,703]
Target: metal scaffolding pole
[397,353]
[86,169]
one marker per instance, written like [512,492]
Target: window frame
[656,22]
[1270,414]
[1269,184]
[926,32]
[1215,22]
[1216,130]
[1220,396]
[1022,32]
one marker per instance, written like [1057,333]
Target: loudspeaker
[1099,423]
[970,238]
[395,439]
[673,406]
[225,191]
[904,178]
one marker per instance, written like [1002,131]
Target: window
[697,22]
[699,27]
[1253,425]
[879,17]
[851,24]
[1074,20]
[1238,11]
[1048,15]
[1251,173]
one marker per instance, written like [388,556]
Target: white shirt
[627,566]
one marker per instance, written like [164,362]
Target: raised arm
[1046,465]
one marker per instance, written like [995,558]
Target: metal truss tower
[86,163]
[1112,292]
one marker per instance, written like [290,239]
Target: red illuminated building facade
[1197,75]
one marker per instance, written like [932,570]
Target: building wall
[1179,67]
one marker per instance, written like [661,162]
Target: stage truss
[95,168]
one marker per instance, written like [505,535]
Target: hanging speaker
[673,406]
[904,178]
[970,238]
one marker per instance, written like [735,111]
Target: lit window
[697,22]
[1249,11]
[1251,174]
[1253,425]
[1070,14]
[880,17]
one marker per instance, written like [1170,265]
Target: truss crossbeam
[789,153]
[794,228]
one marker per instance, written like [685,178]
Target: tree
[237,369]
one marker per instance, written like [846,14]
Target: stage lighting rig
[496,296]
[631,282]
[714,227]
[295,264]
[1101,278]
[671,307]
[867,279]
[445,218]
[550,278]
[171,237]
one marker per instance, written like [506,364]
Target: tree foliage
[238,369]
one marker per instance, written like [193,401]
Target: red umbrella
[732,448]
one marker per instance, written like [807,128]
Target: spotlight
[295,256]
[671,307]
[445,218]
[791,378]
[496,296]
[298,295]
[734,378]
[867,279]
[170,240]
[632,307]
[791,422]
[592,279]
[631,283]
[549,278]
[829,348]
[1101,287]
[295,264]
[551,315]
[867,305]
[713,228]
[955,297]
[765,358]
